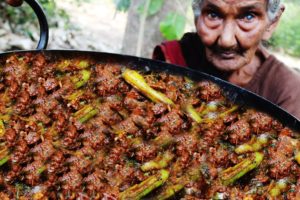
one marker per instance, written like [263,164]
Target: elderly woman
[228,44]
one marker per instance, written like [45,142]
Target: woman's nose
[227,38]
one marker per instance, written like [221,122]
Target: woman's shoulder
[281,72]
[285,83]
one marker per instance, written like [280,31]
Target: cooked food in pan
[81,129]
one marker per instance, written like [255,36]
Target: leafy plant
[122,5]
[287,35]
[172,27]
[22,19]
[154,7]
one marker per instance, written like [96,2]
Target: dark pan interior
[235,94]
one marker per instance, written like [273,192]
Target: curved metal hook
[44,28]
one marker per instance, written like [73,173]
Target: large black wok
[235,94]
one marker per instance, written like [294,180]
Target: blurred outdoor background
[125,26]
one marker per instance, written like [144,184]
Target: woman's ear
[196,20]
[273,24]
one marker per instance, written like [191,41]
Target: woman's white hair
[273,8]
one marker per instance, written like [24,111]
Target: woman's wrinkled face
[231,30]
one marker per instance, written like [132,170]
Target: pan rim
[235,93]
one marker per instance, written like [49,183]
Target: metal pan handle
[44,28]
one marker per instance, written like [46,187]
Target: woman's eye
[213,15]
[248,17]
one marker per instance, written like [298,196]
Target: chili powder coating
[81,129]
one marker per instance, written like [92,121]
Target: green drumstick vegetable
[137,81]
[86,113]
[193,114]
[138,191]
[70,65]
[230,175]
[2,128]
[170,191]
[192,174]
[163,140]
[160,162]
[4,156]
[297,157]
[81,78]
[4,160]
[255,144]
[278,188]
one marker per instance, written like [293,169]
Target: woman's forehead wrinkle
[243,2]
[236,4]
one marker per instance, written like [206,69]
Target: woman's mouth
[227,55]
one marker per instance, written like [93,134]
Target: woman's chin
[228,64]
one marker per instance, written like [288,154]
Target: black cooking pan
[235,94]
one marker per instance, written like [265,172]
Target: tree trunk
[151,35]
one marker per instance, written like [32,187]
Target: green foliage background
[286,38]
[171,28]
[22,20]
[287,34]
